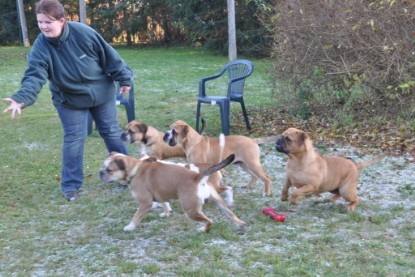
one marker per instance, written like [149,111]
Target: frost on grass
[378,229]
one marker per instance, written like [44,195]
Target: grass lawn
[41,234]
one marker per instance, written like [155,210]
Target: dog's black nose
[166,137]
[279,144]
[102,175]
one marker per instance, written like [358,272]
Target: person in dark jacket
[82,70]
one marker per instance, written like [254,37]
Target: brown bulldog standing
[312,173]
[204,149]
[150,180]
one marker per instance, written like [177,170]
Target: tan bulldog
[312,173]
[150,180]
[204,149]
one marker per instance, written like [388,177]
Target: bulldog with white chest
[150,180]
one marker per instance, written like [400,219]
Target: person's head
[50,16]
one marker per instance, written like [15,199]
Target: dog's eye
[288,140]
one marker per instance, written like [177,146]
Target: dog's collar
[128,178]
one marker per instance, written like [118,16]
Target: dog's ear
[120,164]
[141,127]
[302,138]
[185,130]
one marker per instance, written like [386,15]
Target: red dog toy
[276,216]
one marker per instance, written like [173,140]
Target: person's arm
[35,76]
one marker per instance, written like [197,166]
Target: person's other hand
[13,108]
[125,90]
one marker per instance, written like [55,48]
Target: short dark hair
[51,8]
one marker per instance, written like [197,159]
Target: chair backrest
[238,71]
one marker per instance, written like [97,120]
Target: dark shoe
[71,195]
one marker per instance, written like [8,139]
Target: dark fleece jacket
[80,65]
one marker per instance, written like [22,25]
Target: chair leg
[224,112]
[131,105]
[129,108]
[197,116]
[248,126]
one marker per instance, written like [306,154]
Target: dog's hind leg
[193,209]
[141,211]
[334,197]
[350,195]
[199,216]
[348,190]
[353,203]
[256,171]
[220,203]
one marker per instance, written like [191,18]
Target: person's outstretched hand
[13,108]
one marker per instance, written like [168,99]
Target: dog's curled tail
[219,166]
[364,164]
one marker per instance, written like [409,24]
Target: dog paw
[129,227]
[155,205]
[164,214]
[241,229]
[284,198]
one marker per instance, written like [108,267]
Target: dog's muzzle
[103,176]
[280,144]
[169,138]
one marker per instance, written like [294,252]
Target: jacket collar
[57,42]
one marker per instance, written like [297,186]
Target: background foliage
[190,22]
[344,61]
[345,55]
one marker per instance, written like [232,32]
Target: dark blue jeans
[74,123]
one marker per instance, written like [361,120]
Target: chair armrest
[202,81]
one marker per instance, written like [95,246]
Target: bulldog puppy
[151,180]
[204,149]
[149,141]
[312,173]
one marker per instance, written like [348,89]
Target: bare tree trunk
[23,26]
[82,11]
[232,53]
